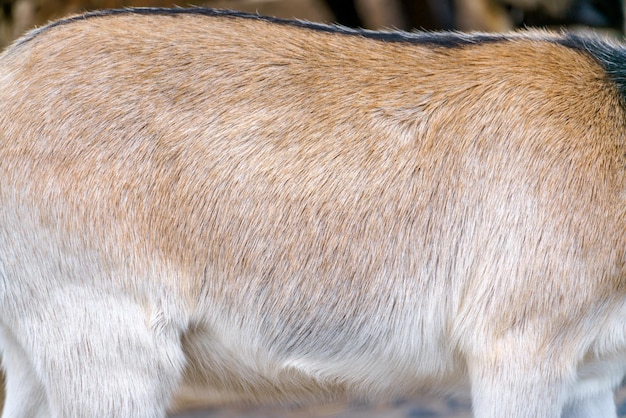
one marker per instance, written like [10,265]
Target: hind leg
[103,355]
[25,394]
[515,393]
[593,393]
[599,405]
[510,379]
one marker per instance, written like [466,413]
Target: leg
[592,395]
[515,394]
[511,383]
[511,394]
[600,405]
[101,355]
[25,394]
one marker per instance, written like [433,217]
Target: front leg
[99,354]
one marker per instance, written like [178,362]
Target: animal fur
[291,211]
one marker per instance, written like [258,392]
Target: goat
[289,211]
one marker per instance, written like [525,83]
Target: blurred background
[606,16]
[17,16]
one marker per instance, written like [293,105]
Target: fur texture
[288,211]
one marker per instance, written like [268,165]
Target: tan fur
[285,213]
